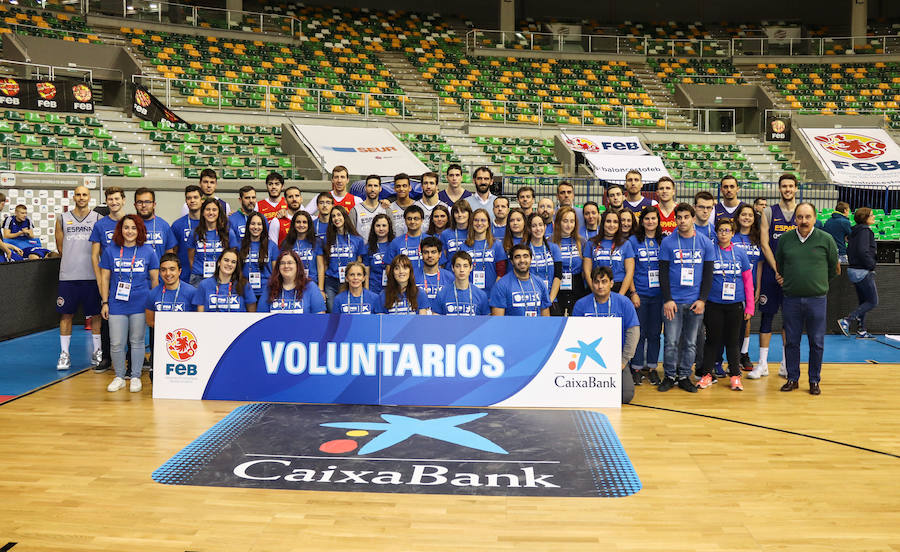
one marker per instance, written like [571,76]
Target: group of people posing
[693,271]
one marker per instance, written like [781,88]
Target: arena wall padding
[28,297]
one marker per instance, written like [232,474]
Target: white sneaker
[97,357]
[782,370]
[761,370]
[136,385]
[64,362]
[116,384]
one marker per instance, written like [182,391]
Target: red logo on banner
[143,99]
[82,92]
[181,344]
[9,87]
[583,145]
[852,146]
[46,90]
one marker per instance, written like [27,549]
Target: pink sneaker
[736,384]
[705,381]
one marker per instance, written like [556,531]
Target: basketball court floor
[718,470]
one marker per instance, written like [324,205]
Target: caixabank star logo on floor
[408,450]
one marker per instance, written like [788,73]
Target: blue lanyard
[608,306]
[681,248]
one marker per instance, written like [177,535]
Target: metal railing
[365,103]
[197,16]
[34,30]
[679,47]
[39,70]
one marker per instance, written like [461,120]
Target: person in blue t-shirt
[408,243]
[356,299]
[646,297]
[172,295]
[377,254]
[440,220]
[610,248]
[129,268]
[568,238]
[159,234]
[519,293]
[488,256]
[238,219]
[341,246]
[685,276]
[18,231]
[591,214]
[453,237]
[227,290]
[212,236]
[730,304]
[501,211]
[546,258]
[301,238]
[432,277]
[603,303]
[460,297]
[748,237]
[290,290]
[183,228]
[258,254]
[400,295]
[515,229]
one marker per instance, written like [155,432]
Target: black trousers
[566,298]
[724,328]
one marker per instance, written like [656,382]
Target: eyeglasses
[724,229]
[144,202]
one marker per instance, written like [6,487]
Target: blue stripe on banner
[345,150]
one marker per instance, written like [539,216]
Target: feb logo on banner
[856,156]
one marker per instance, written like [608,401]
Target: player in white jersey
[364,212]
[77,284]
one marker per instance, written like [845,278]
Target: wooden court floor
[75,465]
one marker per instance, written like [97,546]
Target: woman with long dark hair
[568,238]
[301,238]
[591,213]
[440,220]
[747,237]
[488,257]
[342,246]
[515,228]
[546,259]
[400,295]
[290,290]
[453,237]
[647,298]
[227,290]
[212,236]
[609,248]
[381,234]
[258,253]
[128,269]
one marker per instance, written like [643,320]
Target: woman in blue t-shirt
[355,298]
[212,236]
[440,220]
[515,229]
[258,253]
[290,290]
[301,238]
[591,213]
[546,259]
[627,223]
[647,298]
[227,290]
[128,269]
[568,238]
[488,257]
[747,236]
[453,237]
[400,295]
[342,245]
[380,237]
[609,248]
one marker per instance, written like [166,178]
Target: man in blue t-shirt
[602,303]
[183,228]
[238,219]
[686,261]
[18,231]
[519,293]
[159,233]
[173,295]
[431,277]
[460,297]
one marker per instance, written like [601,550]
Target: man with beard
[634,200]
[238,219]
[729,202]
[279,226]
[429,199]
[483,198]
[272,206]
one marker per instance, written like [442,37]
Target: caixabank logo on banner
[408,450]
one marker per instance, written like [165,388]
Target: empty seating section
[694,71]
[433,150]
[703,165]
[52,143]
[521,156]
[235,151]
[315,76]
[64,26]
[838,88]
[525,90]
[886,227]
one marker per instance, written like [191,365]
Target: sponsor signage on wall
[389,359]
[856,156]
[362,150]
[146,106]
[778,129]
[611,157]
[43,95]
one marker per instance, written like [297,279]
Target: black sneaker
[104,366]
[666,384]
[651,376]
[687,385]
[637,376]
[746,364]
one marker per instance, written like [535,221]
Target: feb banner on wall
[389,359]
[611,157]
[604,145]
[43,95]
[855,156]
[778,128]
[362,150]
[148,107]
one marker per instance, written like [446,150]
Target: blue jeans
[680,341]
[868,299]
[650,319]
[332,288]
[130,328]
[797,313]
